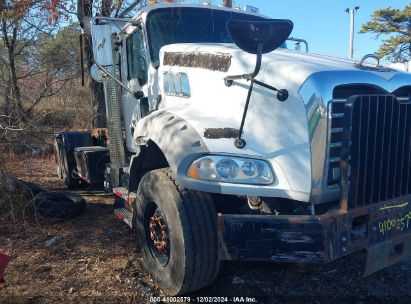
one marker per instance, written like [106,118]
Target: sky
[325,24]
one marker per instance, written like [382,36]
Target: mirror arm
[229,79]
[282,95]
[239,142]
[259,59]
[137,95]
[114,78]
[256,37]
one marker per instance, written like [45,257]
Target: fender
[180,144]
[170,136]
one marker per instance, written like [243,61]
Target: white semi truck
[225,145]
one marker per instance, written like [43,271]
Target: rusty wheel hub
[158,233]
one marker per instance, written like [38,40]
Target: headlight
[231,170]
[227,168]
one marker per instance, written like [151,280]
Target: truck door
[135,77]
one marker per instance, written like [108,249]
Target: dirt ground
[95,260]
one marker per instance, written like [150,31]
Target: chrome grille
[337,119]
[376,149]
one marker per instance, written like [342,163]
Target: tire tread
[202,256]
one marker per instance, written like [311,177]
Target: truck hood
[293,67]
[279,132]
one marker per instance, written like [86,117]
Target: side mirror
[102,44]
[259,37]
[105,38]
[270,34]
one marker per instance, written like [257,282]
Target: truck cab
[223,144]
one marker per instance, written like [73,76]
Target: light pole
[352,23]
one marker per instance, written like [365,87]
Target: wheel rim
[157,234]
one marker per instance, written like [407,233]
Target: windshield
[189,25]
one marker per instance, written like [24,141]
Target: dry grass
[16,203]
[94,260]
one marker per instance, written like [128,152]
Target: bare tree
[85,10]
[38,59]
[84,13]
[31,72]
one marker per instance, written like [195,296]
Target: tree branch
[10,128]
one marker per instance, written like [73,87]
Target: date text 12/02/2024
[203,299]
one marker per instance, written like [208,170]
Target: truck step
[123,193]
[125,216]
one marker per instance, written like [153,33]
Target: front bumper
[384,230]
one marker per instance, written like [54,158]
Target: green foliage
[60,52]
[395,24]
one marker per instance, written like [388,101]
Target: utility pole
[352,24]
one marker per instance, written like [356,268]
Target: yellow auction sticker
[399,224]
[396,206]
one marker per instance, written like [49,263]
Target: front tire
[177,233]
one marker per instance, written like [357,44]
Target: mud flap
[4,261]
[387,253]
